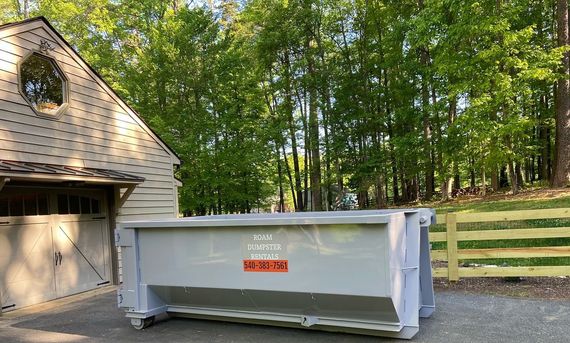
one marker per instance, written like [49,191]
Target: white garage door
[52,244]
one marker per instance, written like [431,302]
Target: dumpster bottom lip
[385,329]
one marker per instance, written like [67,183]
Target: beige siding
[97,130]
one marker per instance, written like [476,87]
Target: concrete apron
[49,305]
[32,335]
[94,317]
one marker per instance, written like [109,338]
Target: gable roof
[96,76]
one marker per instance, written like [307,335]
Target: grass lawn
[527,200]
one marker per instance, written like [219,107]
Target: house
[74,160]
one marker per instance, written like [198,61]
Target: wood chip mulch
[554,288]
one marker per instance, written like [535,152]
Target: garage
[52,251]
[75,159]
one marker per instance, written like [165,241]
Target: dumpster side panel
[363,308]
[321,258]
[411,270]
[427,305]
[404,237]
[127,293]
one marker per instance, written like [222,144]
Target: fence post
[452,262]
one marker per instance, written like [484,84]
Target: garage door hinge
[124,238]
[117,238]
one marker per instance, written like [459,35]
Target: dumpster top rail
[274,219]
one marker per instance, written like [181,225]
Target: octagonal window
[43,84]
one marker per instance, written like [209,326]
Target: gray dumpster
[363,272]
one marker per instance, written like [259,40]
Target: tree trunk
[561,173]
[439,154]
[427,150]
[447,184]
[544,167]
[503,177]
[495,179]
[483,182]
[280,176]
[380,198]
[326,93]
[395,189]
[416,188]
[513,177]
[306,179]
[314,136]
[313,121]
[339,179]
[446,189]
[403,186]
[472,183]
[548,155]
[456,179]
[307,161]
[520,177]
[529,170]
[292,132]
[26,9]
[289,176]
[545,152]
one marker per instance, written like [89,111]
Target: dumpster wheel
[140,324]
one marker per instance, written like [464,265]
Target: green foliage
[403,93]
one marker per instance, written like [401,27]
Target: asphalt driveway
[94,317]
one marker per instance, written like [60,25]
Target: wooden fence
[452,236]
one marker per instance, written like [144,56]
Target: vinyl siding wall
[96,131]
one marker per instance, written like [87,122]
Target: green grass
[508,205]
[502,205]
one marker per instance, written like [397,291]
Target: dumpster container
[365,272]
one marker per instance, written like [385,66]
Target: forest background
[298,104]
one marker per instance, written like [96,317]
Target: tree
[561,175]
[303,101]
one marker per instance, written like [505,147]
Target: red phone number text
[270,266]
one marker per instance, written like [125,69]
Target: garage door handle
[56,258]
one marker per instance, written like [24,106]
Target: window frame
[11,198]
[66,93]
[97,200]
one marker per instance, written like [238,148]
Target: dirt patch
[554,288]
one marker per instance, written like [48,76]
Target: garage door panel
[26,263]
[56,245]
[82,264]
[88,238]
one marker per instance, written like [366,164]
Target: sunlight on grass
[490,205]
[530,200]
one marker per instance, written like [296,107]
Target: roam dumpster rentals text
[265,252]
